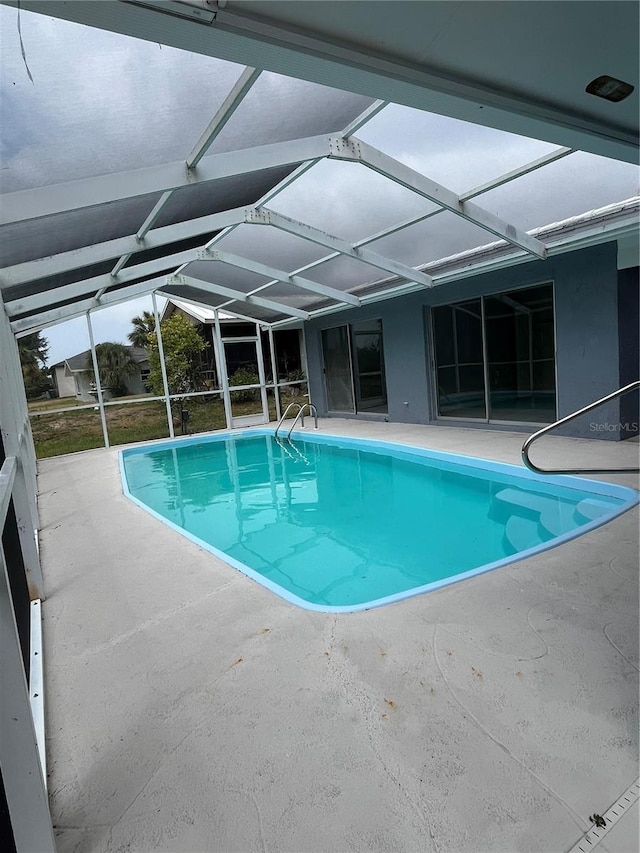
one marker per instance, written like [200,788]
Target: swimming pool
[342,524]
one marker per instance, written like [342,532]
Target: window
[495,357]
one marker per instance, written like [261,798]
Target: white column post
[261,374]
[222,361]
[96,371]
[163,366]
[17,442]
[304,361]
[22,778]
[274,367]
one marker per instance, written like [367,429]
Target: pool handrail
[286,412]
[632,386]
[300,415]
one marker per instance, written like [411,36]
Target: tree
[142,327]
[115,366]
[182,346]
[33,351]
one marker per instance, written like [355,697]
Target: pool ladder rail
[299,416]
[633,386]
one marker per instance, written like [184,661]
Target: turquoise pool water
[338,524]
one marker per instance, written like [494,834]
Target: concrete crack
[628,580]
[620,652]
[538,635]
[154,620]
[503,655]
[577,819]
[366,704]
[165,756]
[263,844]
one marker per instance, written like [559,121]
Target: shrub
[245,376]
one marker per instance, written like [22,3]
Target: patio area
[190,709]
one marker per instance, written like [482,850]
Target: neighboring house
[241,353]
[71,378]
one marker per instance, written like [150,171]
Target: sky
[110,324]
[100,102]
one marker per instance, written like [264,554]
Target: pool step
[553,517]
[591,508]
[522,533]
[558,521]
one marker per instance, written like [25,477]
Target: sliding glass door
[520,355]
[459,360]
[338,372]
[494,357]
[370,385]
[354,368]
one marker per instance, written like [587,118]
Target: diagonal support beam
[285,182]
[88,255]
[363,118]
[78,289]
[280,276]
[222,116]
[355,151]
[53,316]
[152,218]
[314,235]
[146,226]
[58,198]
[236,295]
[493,184]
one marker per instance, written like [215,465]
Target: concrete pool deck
[191,709]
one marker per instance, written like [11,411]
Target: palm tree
[142,328]
[115,365]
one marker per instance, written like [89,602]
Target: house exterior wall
[135,384]
[64,382]
[78,383]
[87,394]
[587,337]
[83,381]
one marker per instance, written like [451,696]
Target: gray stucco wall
[629,326]
[587,336]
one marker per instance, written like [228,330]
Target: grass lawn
[55,433]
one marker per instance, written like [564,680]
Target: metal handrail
[633,386]
[286,412]
[300,414]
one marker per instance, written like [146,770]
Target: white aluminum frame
[75,195]
[235,295]
[264,216]
[277,275]
[359,152]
